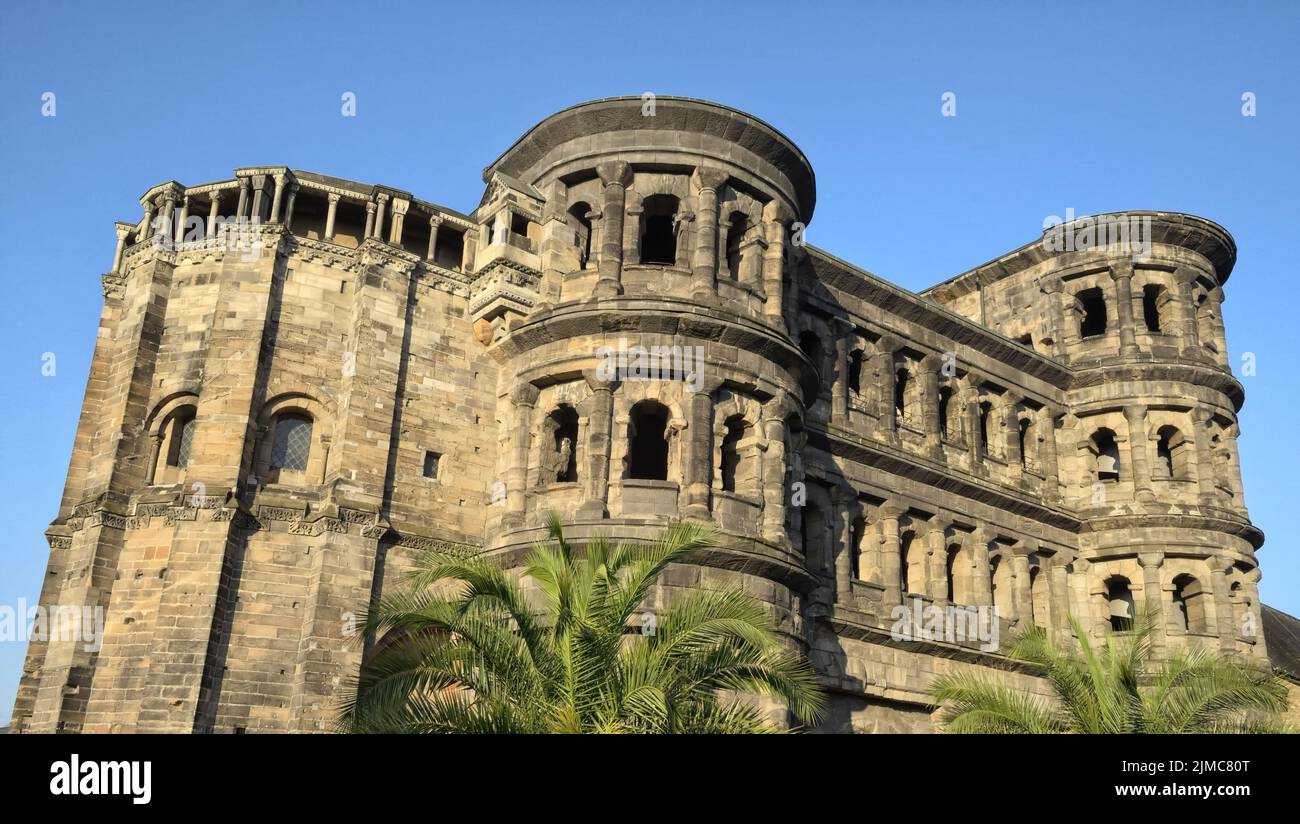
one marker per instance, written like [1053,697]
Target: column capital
[1051,284]
[614,172]
[777,212]
[381,197]
[333,197]
[122,230]
[370,207]
[1151,560]
[1121,269]
[524,394]
[712,179]
[597,383]
[940,523]
[435,221]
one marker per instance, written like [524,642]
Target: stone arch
[297,407]
[1191,604]
[171,427]
[1120,608]
[1173,451]
[737,431]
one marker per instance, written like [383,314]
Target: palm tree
[1117,688]
[461,649]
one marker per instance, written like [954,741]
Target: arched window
[737,228]
[658,235]
[647,447]
[1171,453]
[1093,320]
[1119,604]
[951,571]
[292,442]
[180,438]
[859,542]
[945,402]
[1022,437]
[1189,604]
[1107,455]
[900,394]
[986,409]
[581,226]
[911,565]
[813,538]
[1151,306]
[855,372]
[1040,612]
[737,430]
[563,423]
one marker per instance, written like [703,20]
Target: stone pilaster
[599,439]
[775,219]
[523,400]
[1139,461]
[1122,274]
[330,214]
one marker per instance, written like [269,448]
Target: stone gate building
[300,379]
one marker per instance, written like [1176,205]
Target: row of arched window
[289,429]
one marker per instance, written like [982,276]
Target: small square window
[431,460]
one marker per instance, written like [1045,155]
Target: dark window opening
[518,225]
[182,439]
[900,393]
[1120,604]
[658,238]
[905,579]
[950,573]
[1151,306]
[1107,450]
[855,371]
[565,422]
[739,226]
[431,460]
[736,430]
[1093,322]
[581,226]
[1026,340]
[450,248]
[1023,436]
[647,442]
[945,400]
[986,408]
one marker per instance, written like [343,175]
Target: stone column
[632,213]
[1225,622]
[121,230]
[1204,463]
[1060,594]
[971,409]
[1021,595]
[1185,286]
[523,400]
[697,473]
[600,424]
[775,217]
[370,220]
[259,195]
[704,266]
[616,176]
[399,217]
[155,450]
[882,372]
[277,197]
[891,547]
[774,469]
[288,207]
[1151,594]
[1045,431]
[1140,467]
[840,388]
[981,577]
[381,201]
[241,210]
[1122,274]
[929,368]
[844,499]
[168,213]
[330,215]
[1216,324]
[1011,431]
[434,222]
[936,557]
[214,211]
[147,231]
[1052,288]
[184,217]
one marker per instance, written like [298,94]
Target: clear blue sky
[1098,107]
